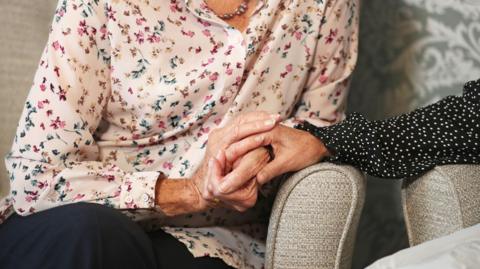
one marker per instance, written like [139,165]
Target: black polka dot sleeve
[447,132]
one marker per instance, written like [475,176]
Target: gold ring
[216,200]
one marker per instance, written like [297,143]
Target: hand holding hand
[243,126]
[245,195]
[293,150]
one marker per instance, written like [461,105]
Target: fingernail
[259,138]
[275,116]
[269,122]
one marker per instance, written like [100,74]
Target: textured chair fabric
[314,219]
[444,200]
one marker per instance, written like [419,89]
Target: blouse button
[128,199]
[146,197]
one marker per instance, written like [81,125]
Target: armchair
[444,200]
[314,219]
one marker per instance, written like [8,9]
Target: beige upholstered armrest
[315,217]
[444,200]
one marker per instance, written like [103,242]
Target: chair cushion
[442,201]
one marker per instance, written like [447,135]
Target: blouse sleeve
[447,132]
[54,159]
[324,98]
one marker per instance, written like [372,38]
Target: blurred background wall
[412,52]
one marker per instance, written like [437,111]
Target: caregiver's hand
[293,150]
[243,126]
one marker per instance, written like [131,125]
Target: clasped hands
[237,163]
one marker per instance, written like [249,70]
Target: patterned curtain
[412,53]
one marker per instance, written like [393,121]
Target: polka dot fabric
[447,132]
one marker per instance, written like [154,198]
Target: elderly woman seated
[132,109]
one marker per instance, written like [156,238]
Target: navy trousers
[91,236]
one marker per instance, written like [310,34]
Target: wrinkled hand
[293,150]
[245,196]
[243,126]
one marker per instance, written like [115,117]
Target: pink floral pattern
[126,90]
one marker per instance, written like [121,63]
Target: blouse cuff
[138,190]
[339,138]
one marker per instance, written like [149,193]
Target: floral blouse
[126,90]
